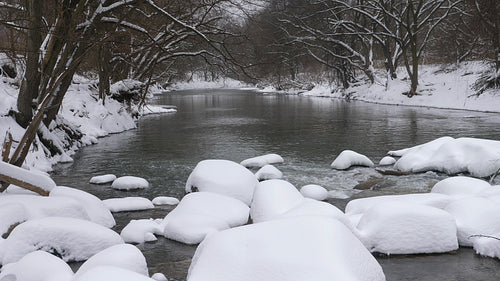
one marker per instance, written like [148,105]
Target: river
[308,132]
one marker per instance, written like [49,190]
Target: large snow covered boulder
[348,158]
[460,186]
[474,216]
[72,239]
[111,273]
[268,172]
[124,256]
[261,161]
[361,205]
[11,214]
[102,179]
[140,231]
[129,183]
[478,157]
[38,180]
[95,208]
[128,204]
[201,213]
[405,228]
[37,266]
[305,248]
[314,191]
[223,177]
[273,198]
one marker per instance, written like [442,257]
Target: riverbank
[82,114]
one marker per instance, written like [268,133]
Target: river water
[308,132]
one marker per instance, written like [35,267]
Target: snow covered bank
[441,86]
[197,81]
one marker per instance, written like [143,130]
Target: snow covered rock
[361,205]
[478,157]
[37,266]
[95,208]
[474,216]
[305,248]
[460,186]
[223,177]
[261,161]
[314,191]
[128,204]
[487,246]
[124,256]
[111,273]
[268,172]
[72,239]
[273,198]
[165,200]
[140,231]
[37,179]
[348,158]
[201,213]
[405,228]
[129,182]
[11,214]
[42,206]
[386,161]
[103,179]
[159,277]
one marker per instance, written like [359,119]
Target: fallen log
[35,182]
[393,172]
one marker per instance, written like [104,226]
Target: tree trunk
[30,85]
[103,73]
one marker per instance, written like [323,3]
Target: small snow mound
[488,246]
[165,200]
[460,186]
[140,231]
[124,256]
[273,198]
[474,216]
[405,228]
[285,249]
[201,213]
[224,177]
[12,213]
[128,204]
[261,161]
[37,266]
[348,158]
[268,172]
[129,182]
[72,239]
[111,273]
[159,277]
[314,191]
[386,161]
[103,179]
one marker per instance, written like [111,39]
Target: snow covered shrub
[487,80]
[127,90]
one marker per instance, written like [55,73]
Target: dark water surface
[307,132]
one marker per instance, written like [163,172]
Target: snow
[406,228]
[273,198]
[165,200]
[129,182]
[111,273]
[72,239]
[474,216]
[159,277]
[261,161]
[97,211]
[42,206]
[201,213]
[197,81]
[487,246]
[305,248]
[386,161]
[140,231]
[460,186]
[33,178]
[348,158]
[268,172]
[478,157]
[37,266]
[128,204]
[314,191]
[12,213]
[103,179]
[124,256]
[223,177]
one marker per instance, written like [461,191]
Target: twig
[485,236]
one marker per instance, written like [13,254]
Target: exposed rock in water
[369,184]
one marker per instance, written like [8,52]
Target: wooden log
[393,172]
[25,185]
[7,144]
